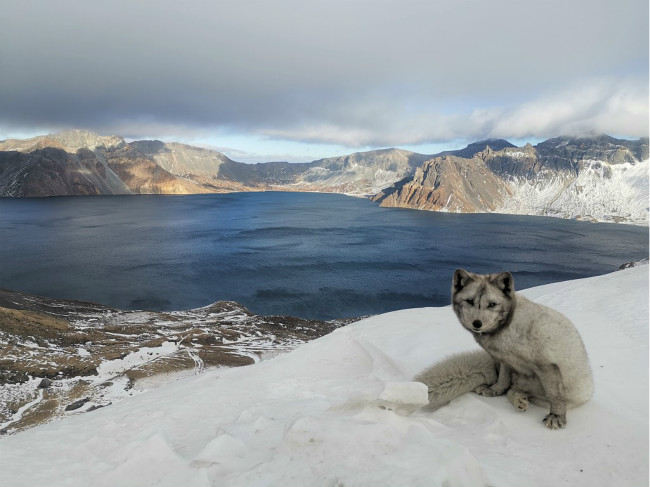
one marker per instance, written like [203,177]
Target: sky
[298,79]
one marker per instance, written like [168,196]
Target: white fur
[538,352]
[457,375]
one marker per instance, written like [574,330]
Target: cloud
[356,73]
[603,106]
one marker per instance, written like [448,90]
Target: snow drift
[342,410]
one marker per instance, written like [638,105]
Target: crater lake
[311,255]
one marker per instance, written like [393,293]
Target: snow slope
[341,410]
[600,192]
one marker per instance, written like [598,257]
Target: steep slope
[361,173]
[180,159]
[595,178]
[367,173]
[476,147]
[53,172]
[142,175]
[202,166]
[267,175]
[448,183]
[67,140]
[592,148]
[78,162]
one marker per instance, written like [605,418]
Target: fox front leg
[551,380]
[500,386]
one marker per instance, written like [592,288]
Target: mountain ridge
[491,175]
[591,178]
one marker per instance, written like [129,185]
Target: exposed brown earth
[448,183]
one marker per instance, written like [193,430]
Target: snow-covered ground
[601,192]
[341,411]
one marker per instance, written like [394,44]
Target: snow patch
[601,192]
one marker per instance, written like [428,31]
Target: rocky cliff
[78,162]
[448,183]
[597,178]
[361,173]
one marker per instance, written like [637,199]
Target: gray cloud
[356,73]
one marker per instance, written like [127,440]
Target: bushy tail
[457,375]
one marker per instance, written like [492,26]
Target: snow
[343,411]
[601,192]
[111,369]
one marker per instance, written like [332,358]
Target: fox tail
[456,375]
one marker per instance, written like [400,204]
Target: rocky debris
[627,265]
[77,404]
[97,406]
[56,353]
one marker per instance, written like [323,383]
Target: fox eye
[470,302]
[491,304]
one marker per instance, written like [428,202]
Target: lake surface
[303,254]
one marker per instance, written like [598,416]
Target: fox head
[483,303]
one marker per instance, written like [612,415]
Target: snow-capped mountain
[592,178]
[343,410]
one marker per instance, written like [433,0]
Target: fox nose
[477,324]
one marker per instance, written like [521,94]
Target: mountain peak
[75,139]
[479,146]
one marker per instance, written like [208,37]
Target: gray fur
[540,355]
[457,375]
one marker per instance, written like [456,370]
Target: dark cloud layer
[346,72]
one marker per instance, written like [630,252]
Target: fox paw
[519,401]
[486,391]
[553,421]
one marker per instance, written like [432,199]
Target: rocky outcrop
[67,140]
[361,173]
[476,147]
[448,183]
[202,166]
[53,172]
[143,176]
[60,165]
[73,140]
[596,178]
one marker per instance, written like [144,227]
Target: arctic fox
[534,353]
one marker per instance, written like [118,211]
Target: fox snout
[477,324]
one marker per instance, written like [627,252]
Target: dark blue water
[310,255]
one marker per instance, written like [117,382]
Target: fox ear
[461,278]
[505,282]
